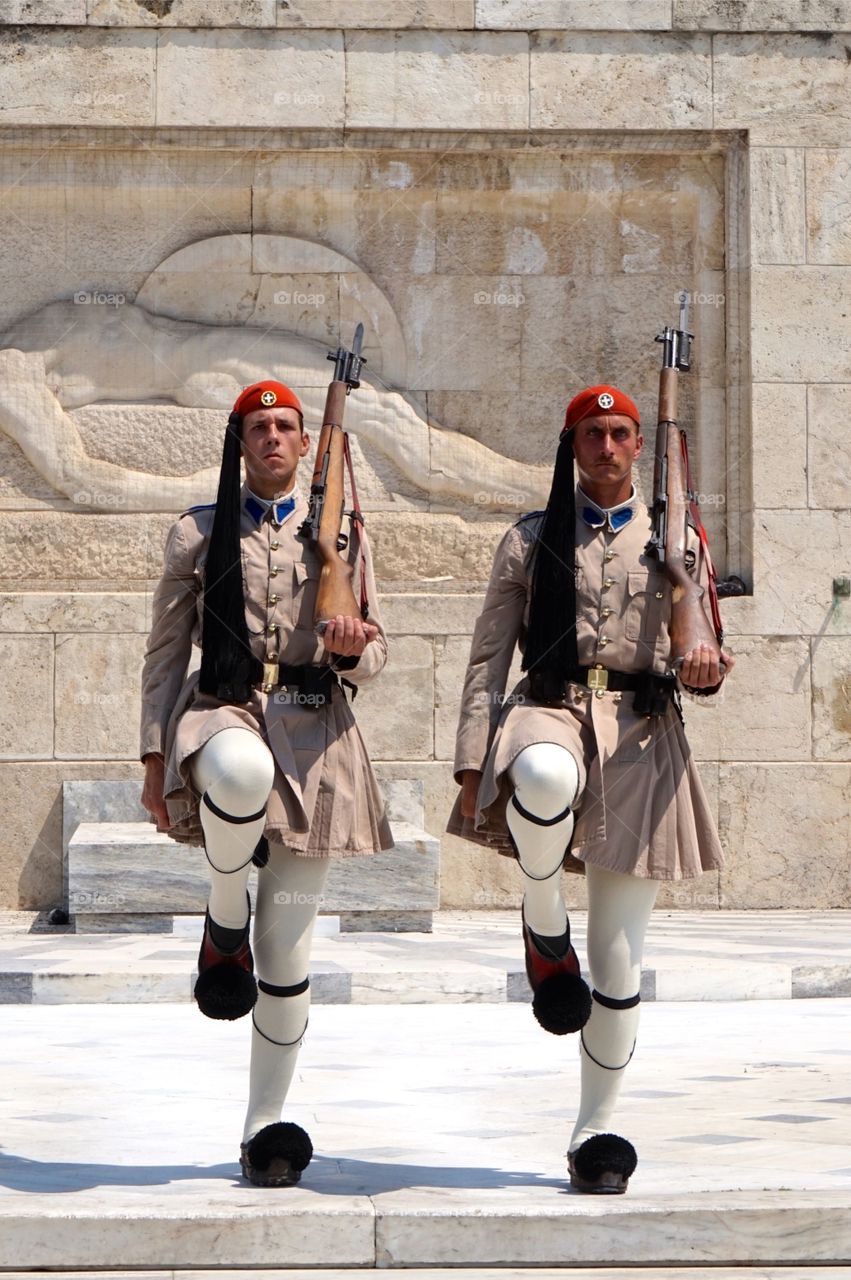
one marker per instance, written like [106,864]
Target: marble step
[253,1231]
[675,1272]
[127,871]
[469,957]
[120,874]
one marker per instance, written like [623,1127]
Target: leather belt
[315,684]
[291,674]
[600,677]
[277,675]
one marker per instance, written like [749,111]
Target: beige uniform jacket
[642,809]
[325,799]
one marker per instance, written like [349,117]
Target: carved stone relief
[73,354]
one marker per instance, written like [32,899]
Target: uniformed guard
[257,756]
[585,765]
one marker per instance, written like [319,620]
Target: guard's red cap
[602,399]
[266,395]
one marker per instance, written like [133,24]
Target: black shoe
[561,999]
[226,988]
[603,1165]
[276,1156]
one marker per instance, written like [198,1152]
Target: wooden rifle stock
[672,501]
[335,594]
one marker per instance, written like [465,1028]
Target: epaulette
[530,515]
[202,506]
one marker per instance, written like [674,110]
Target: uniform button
[606,612]
[269,630]
[610,555]
[608,582]
[274,545]
[273,599]
[273,571]
[270,657]
[617,697]
[604,640]
[598,693]
[659,595]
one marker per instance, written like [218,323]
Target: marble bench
[121,875]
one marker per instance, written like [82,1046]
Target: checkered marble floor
[440,1134]
[470,957]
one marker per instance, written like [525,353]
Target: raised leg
[234,771]
[540,819]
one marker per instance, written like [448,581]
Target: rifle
[675,507]
[327,495]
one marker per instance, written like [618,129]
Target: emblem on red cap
[604,400]
[268,397]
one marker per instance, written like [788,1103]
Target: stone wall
[510,192]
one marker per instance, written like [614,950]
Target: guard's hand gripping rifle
[327,494]
[675,507]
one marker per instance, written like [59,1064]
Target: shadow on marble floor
[45,1177]
[346,1176]
[325,1176]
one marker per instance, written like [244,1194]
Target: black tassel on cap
[551,650]
[228,667]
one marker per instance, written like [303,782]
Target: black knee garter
[609,1002]
[229,817]
[269,989]
[539,822]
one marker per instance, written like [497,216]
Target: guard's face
[272,443]
[605,447]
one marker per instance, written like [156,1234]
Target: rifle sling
[357,518]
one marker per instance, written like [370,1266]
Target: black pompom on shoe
[562,1003]
[603,1165]
[225,992]
[276,1156]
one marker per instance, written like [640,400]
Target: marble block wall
[510,193]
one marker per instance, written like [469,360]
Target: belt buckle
[271,673]
[598,677]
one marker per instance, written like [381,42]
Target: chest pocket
[648,606]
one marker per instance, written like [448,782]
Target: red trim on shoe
[540,967]
[210,954]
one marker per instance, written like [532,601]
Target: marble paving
[470,957]
[440,1134]
[473,1273]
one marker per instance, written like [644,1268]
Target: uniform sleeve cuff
[704,693]
[464,768]
[345,664]
[151,742]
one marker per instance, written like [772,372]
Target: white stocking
[619,908]
[546,780]
[235,770]
[289,893]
